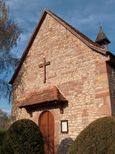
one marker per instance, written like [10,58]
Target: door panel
[46,124]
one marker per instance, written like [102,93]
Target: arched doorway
[46,124]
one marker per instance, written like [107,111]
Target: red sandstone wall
[78,72]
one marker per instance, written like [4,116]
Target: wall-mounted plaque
[64,126]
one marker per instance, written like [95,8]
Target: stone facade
[79,72]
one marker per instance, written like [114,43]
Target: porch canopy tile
[42,96]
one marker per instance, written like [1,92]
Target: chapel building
[63,82]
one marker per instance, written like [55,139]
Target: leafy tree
[9,35]
[9,31]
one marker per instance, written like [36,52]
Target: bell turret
[102,39]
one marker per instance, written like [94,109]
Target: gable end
[75,32]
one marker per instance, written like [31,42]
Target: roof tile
[45,95]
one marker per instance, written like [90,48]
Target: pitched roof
[42,96]
[74,31]
[102,38]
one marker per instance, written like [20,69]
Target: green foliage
[2,134]
[97,138]
[23,137]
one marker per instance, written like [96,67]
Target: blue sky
[85,15]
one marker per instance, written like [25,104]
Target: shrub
[23,137]
[97,138]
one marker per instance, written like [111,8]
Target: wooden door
[46,124]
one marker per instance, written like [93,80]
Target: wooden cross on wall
[44,64]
